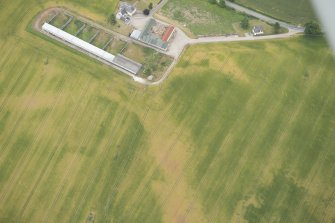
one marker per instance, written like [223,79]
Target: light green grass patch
[297,12]
[201,17]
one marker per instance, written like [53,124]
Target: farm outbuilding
[127,64]
[119,60]
[257,30]
[155,34]
[78,42]
[135,34]
[168,34]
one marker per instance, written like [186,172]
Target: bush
[112,19]
[312,28]
[245,23]
[146,11]
[277,27]
[221,3]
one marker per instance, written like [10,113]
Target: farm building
[168,34]
[135,34]
[155,34]
[257,30]
[127,64]
[119,60]
[126,11]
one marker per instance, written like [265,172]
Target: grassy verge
[298,12]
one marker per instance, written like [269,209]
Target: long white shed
[78,42]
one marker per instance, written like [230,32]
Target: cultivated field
[297,11]
[240,132]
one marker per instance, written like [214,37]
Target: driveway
[260,16]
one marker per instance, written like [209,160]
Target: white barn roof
[78,42]
[135,34]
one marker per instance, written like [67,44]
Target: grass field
[297,11]
[240,132]
[201,17]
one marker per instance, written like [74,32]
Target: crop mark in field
[85,140]
[89,183]
[53,153]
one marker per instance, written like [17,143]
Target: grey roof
[258,29]
[127,7]
[127,64]
[150,38]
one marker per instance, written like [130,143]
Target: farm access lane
[216,39]
[158,7]
[265,18]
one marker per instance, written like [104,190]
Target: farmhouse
[257,30]
[126,11]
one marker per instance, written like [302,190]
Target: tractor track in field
[103,157]
[23,161]
[59,194]
[66,174]
[54,152]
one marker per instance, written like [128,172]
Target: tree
[146,11]
[150,6]
[221,3]
[245,23]
[112,19]
[277,27]
[312,28]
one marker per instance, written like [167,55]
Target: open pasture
[200,17]
[239,132]
[296,12]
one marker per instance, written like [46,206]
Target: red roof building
[168,33]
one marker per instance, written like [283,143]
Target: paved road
[262,17]
[158,7]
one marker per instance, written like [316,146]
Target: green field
[201,17]
[239,132]
[297,11]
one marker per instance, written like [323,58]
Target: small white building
[257,30]
[136,34]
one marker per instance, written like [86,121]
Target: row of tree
[221,3]
[311,28]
